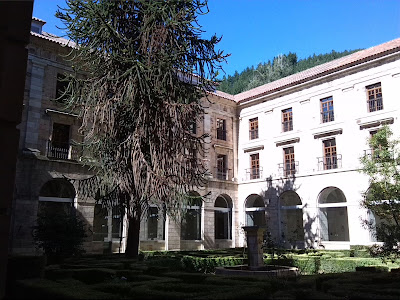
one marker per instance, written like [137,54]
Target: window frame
[330,159]
[327,115]
[289,160]
[374,97]
[255,166]
[221,129]
[253,128]
[287,119]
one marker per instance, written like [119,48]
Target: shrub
[59,234]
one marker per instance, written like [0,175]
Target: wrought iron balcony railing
[253,173]
[289,168]
[375,104]
[221,134]
[63,151]
[329,162]
[253,134]
[327,116]
[221,174]
[287,126]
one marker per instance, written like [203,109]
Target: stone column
[254,236]
[34,105]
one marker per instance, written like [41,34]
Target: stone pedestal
[254,236]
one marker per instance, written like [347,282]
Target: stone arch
[291,218]
[255,210]
[332,214]
[223,217]
[56,196]
[191,222]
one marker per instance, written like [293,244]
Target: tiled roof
[54,38]
[223,95]
[39,20]
[321,70]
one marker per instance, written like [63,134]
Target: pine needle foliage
[140,70]
[382,165]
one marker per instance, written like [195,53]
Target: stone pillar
[15,21]
[254,236]
[34,106]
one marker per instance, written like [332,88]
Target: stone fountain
[255,266]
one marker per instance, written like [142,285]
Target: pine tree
[140,69]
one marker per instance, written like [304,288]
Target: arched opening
[223,217]
[255,211]
[155,223]
[191,222]
[291,217]
[56,197]
[333,220]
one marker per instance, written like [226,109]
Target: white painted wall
[350,109]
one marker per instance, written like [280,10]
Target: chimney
[36,25]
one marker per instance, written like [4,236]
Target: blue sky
[254,31]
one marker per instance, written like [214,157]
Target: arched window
[255,211]
[191,223]
[291,216]
[56,197]
[223,217]
[155,223]
[333,220]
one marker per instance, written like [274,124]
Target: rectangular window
[327,114]
[330,155]
[193,127]
[287,120]
[152,223]
[253,131]
[289,163]
[222,170]
[374,97]
[59,146]
[254,166]
[221,129]
[61,86]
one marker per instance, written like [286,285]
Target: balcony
[327,116]
[287,126]
[221,134]
[329,162]
[253,173]
[221,174]
[64,151]
[253,134]
[375,104]
[288,169]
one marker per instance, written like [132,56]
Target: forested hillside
[281,66]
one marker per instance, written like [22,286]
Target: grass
[160,276]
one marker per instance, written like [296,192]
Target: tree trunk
[132,239]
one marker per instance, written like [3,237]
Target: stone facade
[249,182]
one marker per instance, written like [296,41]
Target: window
[221,129]
[333,220]
[254,166]
[152,223]
[330,155]
[223,217]
[289,163]
[374,97]
[193,127]
[253,125]
[107,223]
[287,120]
[327,114]
[61,86]
[255,211]
[191,223]
[59,146]
[222,170]
[291,217]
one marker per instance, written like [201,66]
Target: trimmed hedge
[208,264]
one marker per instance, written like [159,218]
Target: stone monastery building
[284,155]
